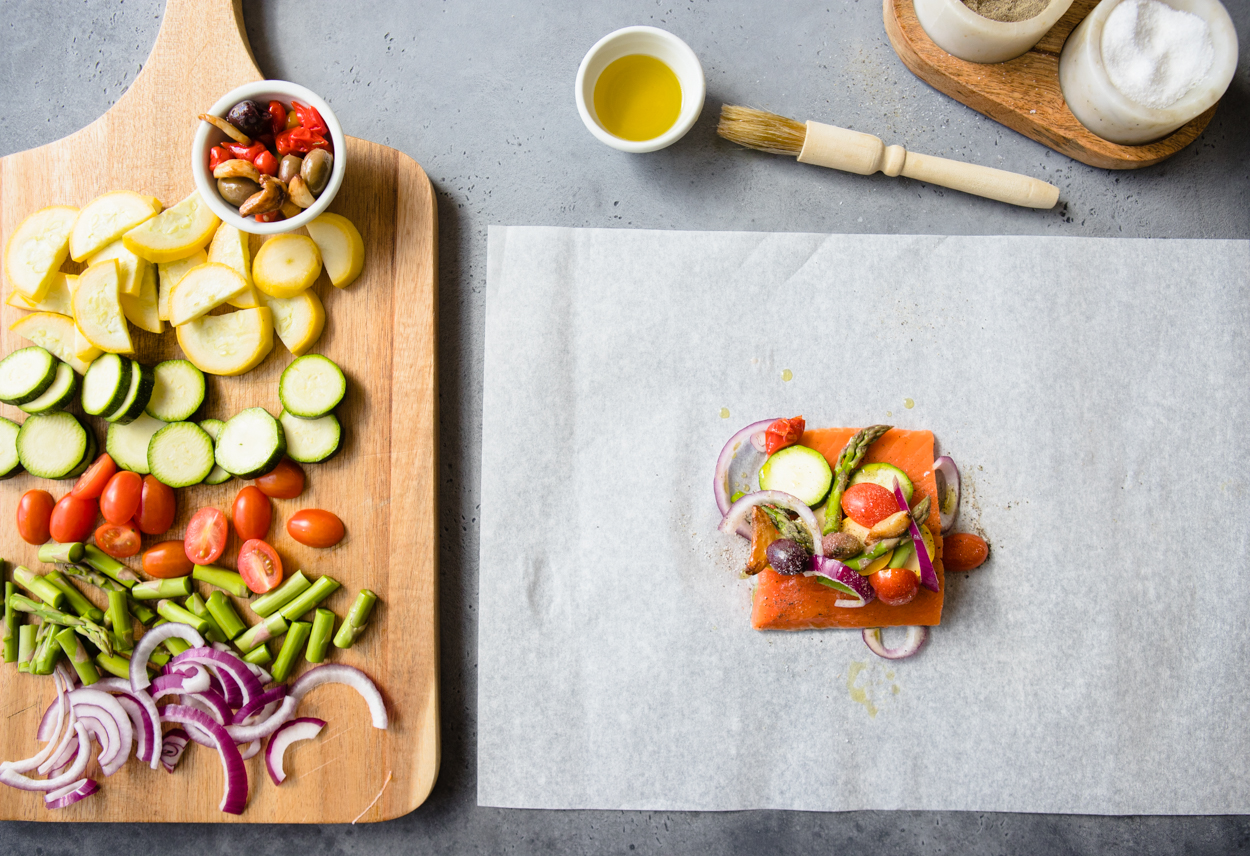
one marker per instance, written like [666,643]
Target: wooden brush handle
[851,151]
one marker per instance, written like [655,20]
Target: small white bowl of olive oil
[640,89]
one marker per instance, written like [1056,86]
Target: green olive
[236,190]
[316,170]
[289,168]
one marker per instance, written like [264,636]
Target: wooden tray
[1024,93]
[381,330]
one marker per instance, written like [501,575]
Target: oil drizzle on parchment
[870,686]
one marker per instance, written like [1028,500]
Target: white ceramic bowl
[207,136]
[649,41]
[1106,111]
[961,32]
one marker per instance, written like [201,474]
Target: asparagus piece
[849,459]
[171,611]
[258,634]
[54,553]
[78,656]
[106,564]
[876,551]
[270,603]
[26,646]
[77,601]
[159,658]
[175,645]
[223,613]
[94,633]
[38,586]
[222,578]
[92,576]
[196,606]
[322,630]
[115,664]
[142,611]
[259,656]
[319,591]
[123,624]
[157,589]
[357,617]
[46,650]
[921,512]
[10,631]
[292,645]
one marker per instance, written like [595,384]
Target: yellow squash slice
[175,233]
[170,274]
[228,344]
[55,334]
[55,299]
[37,248]
[98,310]
[298,320]
[230,248]
[130,268]
[342,248]
[141,309]
[83,349]
[106,218]
[286,264]
[202,290]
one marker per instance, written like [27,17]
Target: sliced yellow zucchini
[106,218]
[342,248]
[141,309]
[176,233]
[54,333]
[170,273]
[286,264]
[55,299]
[98,310]
[228,344]
[130,268]
[202,290]
[298,320]
[37,248]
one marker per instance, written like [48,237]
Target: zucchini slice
[181,454]
[178,393]
[127,444]
[10,465]
[311,441]
[142,379]
[311,386]
[251,443]
[51,445]
[59,395]
[799,471]
[26,374]
[106,384]
[88,457]
[212,427]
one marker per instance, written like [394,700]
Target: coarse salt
[1155,54]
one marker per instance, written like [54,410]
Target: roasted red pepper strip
[782,433]
[266,163]
[300,140]
[277,117]
[216,155]
[310,118]
[247,153]
[269,217]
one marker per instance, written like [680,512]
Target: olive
[236,190]
[250,117]
[787,557]
[841,545]
[289,167]
[316,170]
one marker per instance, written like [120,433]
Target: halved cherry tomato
[964,551]
[252,513]
[868,504]
[266,163]
[285,481]
[156,507]
[120,498]
[207,534]
[72,519]
[310,118]
[314,527]
[218,155]
[166,560]
[119,541]
[259,566]
[34,514]
[91,483]
[895,586]
[783,433]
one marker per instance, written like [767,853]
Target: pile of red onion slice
[220,702]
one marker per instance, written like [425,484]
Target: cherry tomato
[120,499]
[964,551]
[259,566]
[120,541]
[266,163]
[310,118]
[207,533]
[252,513]
[166,560]
[34,513]
[895,586]
[217,155]
[868,504]
[285,481]
[783,433]
[313,527]
[156,507]
[72,519]
[92,483]
[277,117]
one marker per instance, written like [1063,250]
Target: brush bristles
[761,130]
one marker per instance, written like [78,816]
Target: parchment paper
[1094,394]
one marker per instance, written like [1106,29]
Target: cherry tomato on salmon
[34,515]
[314,527]
[285,481]
[868,504]
[207,533]
[964,551]
[895,586]
[783,433]
[120,499]
[92,483]
[166,560]
[252,513]
[121,541]
[259,566]
[266,163]
[72,519]
[156,507]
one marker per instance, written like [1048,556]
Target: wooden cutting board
[381,330]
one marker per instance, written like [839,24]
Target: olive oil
[637,97]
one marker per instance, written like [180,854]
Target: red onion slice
[915,638]
[304,728]
[946,474]
[172,746]
[928,576]
[234,796]
[336,673]
[70,794]
[64,753]
[841,578]
[60,710]
[258,704]
[119,688]
[212,704]
[97,703]
[220,662]
[264,727]
[740,460]
[739,511]
[251,750]
[12,778]
[153,637]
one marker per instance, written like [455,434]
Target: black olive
[250,118]
[787,557]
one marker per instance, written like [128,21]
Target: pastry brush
[864,154]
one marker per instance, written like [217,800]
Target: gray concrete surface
[481,95]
